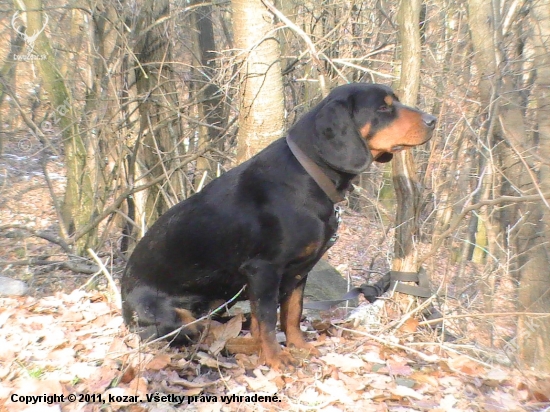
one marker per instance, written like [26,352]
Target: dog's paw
[305,349]
[297,341]
[283,361]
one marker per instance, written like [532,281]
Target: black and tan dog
[266,222]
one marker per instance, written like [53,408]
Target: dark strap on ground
[391,280]
[421,290]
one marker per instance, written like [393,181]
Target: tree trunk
[405,180]
[78,204]
[209,96]
[261,117]
[482,32]
[7,77]
[534,291]
[160,124]
[521,228]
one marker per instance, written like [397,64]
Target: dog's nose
[429,120]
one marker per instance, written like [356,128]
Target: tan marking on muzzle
[408,129]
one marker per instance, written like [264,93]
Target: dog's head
[358,123]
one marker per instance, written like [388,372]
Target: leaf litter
[77,344]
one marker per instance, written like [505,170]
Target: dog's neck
[335,184]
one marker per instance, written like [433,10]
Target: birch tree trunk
[261,117]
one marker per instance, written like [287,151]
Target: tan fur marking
[407,130]
[185,315]
[291,312]
[310,249]
[388,100]
[365,130]
[270,350]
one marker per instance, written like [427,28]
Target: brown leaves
[224,332]
[159,362]
[242,345]
[345,363]
[466,365]
[75,344]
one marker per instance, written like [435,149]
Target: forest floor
[66,337]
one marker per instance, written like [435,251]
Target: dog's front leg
[291,314]
[263,283]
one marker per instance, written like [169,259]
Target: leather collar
[322,180]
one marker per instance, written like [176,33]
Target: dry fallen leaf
[159,362]
[246,361]
[242,345]
[337,390]
[448,402]
[128,375]
[102,379]
[187,384]
[372,357]
[227,331]
[138,386]
[353,384]
[399,368]
[427,379]
[207,360]
[346,363]
[261,382]
[410,325]
[405,392]
[465,365]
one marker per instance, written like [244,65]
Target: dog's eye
[384,109]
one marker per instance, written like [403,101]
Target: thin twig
[485,315]
[528,167]
[458,218]
[205,317]
[168,199]
[399,322]
[423,356]
[110,280]
[61,264]
[56,204]
[309,43]
[130,191]
[41,234]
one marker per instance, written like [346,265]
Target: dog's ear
[338,141]
[384,158]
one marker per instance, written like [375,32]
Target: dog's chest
[311,252]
